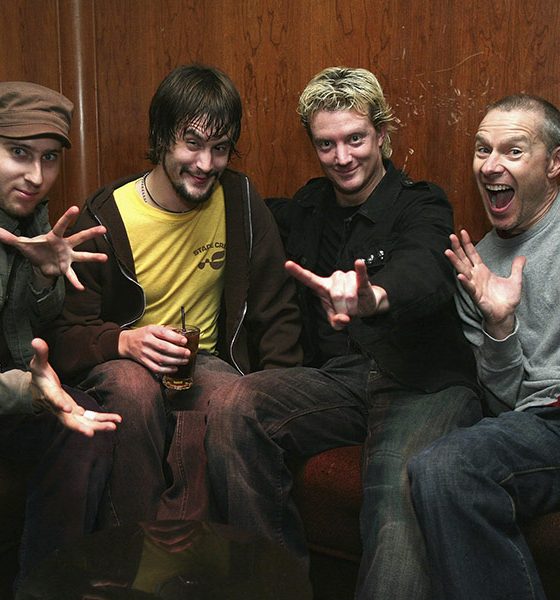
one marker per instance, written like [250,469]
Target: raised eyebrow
[480,139]
[196,134]
[19,144]
[15,143]
[516,139]
[193,132]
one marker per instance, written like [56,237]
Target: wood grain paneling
[30,51]
[440,63]
[79,82]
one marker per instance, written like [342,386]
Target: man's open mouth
[500,195]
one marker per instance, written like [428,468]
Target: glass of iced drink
[182,379]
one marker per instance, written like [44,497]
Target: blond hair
[344,88]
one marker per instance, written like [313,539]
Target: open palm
[496,297]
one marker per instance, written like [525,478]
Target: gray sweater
[524,369]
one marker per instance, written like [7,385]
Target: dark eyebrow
[194,132]
[15,142]
[223,139]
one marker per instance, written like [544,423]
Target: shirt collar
[313,194]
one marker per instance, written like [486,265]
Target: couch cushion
[328,492]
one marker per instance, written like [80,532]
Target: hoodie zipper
[244,312]
[126,275]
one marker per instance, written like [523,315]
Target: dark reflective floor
[169,560]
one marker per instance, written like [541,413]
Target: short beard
[182,192]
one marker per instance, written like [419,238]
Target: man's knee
[440,471]
[238,399]
[235,414]
[126,387]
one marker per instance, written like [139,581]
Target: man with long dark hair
[189,237]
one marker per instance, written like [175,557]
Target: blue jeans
[159,463]
[66,485]
[471,491]
[273,415]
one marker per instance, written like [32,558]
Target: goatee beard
[182,191]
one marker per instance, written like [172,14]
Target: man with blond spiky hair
[387,365]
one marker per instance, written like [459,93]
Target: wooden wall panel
[30,50]
[79,82]
[440,62]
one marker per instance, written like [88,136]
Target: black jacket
[401,231]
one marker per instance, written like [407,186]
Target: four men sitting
[393,353]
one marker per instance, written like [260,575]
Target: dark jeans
[159,463]
[67,483]
[267,417]
[471,490]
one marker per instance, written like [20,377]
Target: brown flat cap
[31,110]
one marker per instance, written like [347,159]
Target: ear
[381,132]
[553,170]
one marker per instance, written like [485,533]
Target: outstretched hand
[496,297]
[52,253]
[49,394]
[343,295]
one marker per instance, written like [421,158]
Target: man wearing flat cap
[39,420]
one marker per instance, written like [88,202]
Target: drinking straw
[183,318]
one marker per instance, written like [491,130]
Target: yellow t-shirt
[179,260]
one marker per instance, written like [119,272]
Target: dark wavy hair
[193,94]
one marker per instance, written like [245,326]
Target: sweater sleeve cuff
[501,353]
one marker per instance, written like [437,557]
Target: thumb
[517,267]
[6,237]
[41,357]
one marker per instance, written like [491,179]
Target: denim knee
[226,416]
[126,387]
[438,471]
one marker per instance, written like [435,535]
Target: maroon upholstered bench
[327,489]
